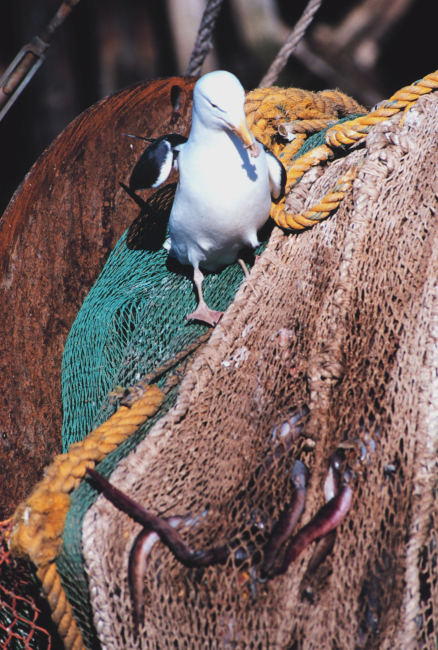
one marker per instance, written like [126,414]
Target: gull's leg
[203,312]
[244,269]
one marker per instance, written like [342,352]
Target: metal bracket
[10,85]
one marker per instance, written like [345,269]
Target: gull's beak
[243,133]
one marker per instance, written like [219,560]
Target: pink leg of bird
[244,268]
[203,312]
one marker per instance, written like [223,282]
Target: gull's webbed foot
[206,315]
[202,312]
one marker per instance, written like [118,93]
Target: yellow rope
[62,614]
[297,169]
[295,113]
[288,152]
[305,126]
[318,212]
[349,132]
[39,521]
[346,133]
[267,108]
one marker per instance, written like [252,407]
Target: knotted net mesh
[24,614]
[335,334]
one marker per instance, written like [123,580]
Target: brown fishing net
[332,341]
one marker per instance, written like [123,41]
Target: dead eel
[168,535]
[289,518]
[326,519]
[332,485]
[138,557]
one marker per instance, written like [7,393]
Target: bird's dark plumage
[155,163]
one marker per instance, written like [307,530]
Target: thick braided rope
[328,204]
[267,109]
[287,153]
[349,132]
[52,589]
[305,126]
[296,170]
[39,521]
[62,614]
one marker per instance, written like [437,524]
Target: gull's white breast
[222,200]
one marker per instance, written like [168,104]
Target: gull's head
[218,101]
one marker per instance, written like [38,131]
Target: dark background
[368,49]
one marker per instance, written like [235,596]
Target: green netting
[132,320]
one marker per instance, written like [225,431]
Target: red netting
[23,613]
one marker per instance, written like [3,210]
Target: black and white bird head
[155,164]
[218,103]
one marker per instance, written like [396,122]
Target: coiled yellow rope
[341,135]
[296,170]
[267,108]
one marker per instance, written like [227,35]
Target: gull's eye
[215,106]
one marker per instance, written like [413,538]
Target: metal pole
[29,59]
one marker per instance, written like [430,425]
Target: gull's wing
[277,175]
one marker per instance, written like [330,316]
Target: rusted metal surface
[55,237]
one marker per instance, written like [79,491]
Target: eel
[289,518]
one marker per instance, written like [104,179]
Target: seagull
[226,183]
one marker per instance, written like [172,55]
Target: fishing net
[332,341]
[24,615]
[132,320]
